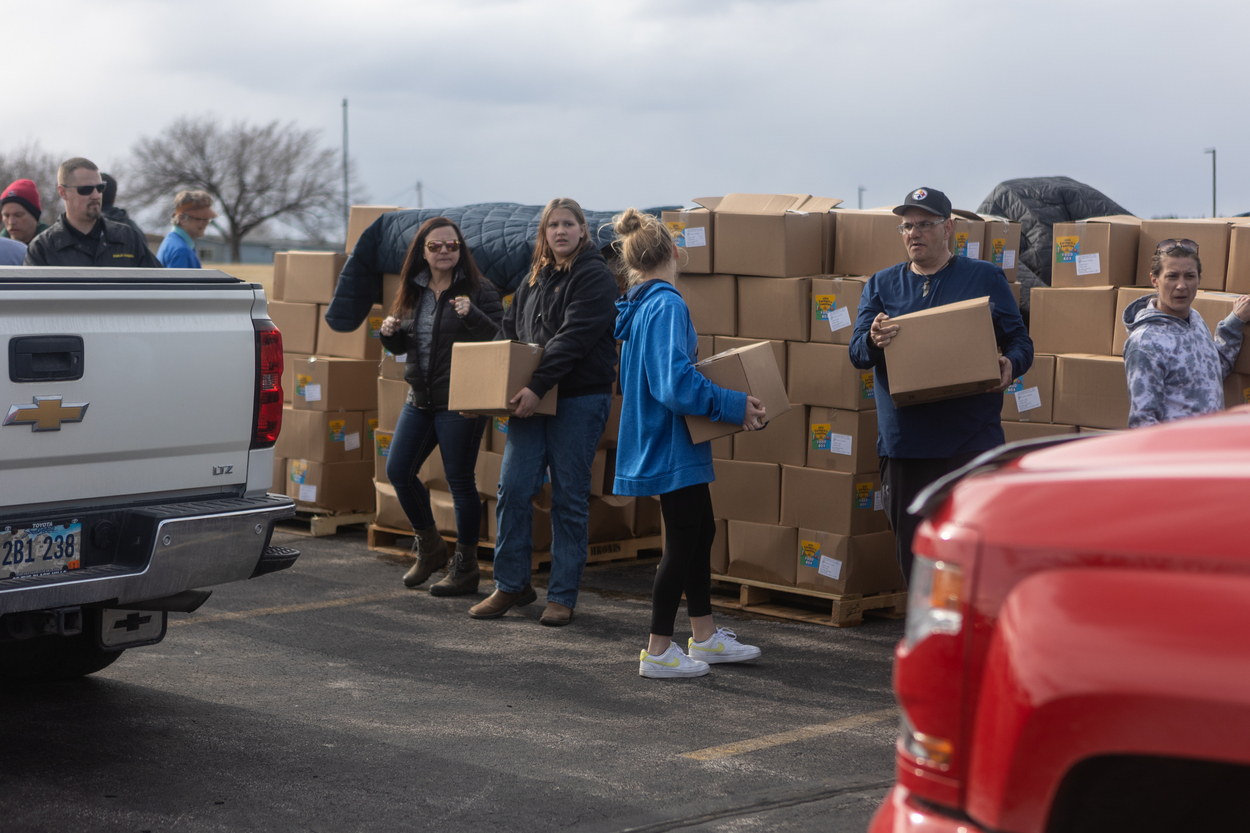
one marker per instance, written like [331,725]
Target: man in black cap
[920,443]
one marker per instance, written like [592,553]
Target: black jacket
[571,313]
[117,246]
[481,323]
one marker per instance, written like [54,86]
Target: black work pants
[901,480]
[686,566]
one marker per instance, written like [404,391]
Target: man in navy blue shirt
[920,443]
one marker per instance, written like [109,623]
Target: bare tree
[256,173]
[31,162]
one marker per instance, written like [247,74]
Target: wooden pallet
[764,599]
[321,524]
[385,539]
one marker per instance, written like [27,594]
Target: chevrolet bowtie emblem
[46,414]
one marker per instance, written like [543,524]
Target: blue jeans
[566,444]
[458,438]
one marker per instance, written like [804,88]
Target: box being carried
[751,370]
[943,353]
[485,375]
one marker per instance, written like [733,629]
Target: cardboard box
[1073,319]
[391,366]
[1237,278]
[611,520]
[648,517]
[1014,431]
[706,347]
[712,301]
[498,434]
[1031,397]
[485,375]
[598,473]
[391,397]
[277,485]
[1236,390]
[867,242]
[1212,237]
[720,548]
[279,277]
[368,427]
[1214,307]
[844,441]
[612,428]
[1002,246]
[770,235]
[769,308]
[381,452]
[967,234]
[487,472]
[723,448]
[432,474]
[1097,252]
[1124,296]
[389,513]
[1091,390]
[943,353]
[323,436]
[491,521]
[298,325]
[443,508]
[848,564]
[723,344]
[746,491]
[751,370]
[692,232]
[311,277]
[762,552]
[329,384]
[289,362]
[360,218]
[822,375]
[338,487]
[365,342]
[832,501]
[391,283]
[784,440]
[835,304]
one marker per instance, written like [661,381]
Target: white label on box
[830,567]
[839,319]
[696,237]
[351,442]
[1028,399]
[877,503]
[1087,264]
[974,250]
[312,393]
[308,492]
[1009,258]
[401,358]
[841,443]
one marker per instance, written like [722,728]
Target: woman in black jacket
[567,305]
[443,299]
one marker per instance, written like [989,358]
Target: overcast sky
[650,102]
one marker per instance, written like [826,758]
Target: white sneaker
[672,663]
[722,646]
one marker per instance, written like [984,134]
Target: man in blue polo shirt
[920,443]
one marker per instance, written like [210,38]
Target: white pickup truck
[136,455]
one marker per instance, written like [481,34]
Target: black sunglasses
[85,190]
[1173,243]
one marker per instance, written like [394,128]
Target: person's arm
[485,314]
[865,354]
[397,340]
[1147,379]
[590,311]
[672,378]
[359,285]
[1013,337]
[1228,334]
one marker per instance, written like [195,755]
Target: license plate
[40,548]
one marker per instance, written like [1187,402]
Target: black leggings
[687,563]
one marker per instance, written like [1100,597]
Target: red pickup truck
[1077,647]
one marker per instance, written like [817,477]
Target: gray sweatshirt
[1174,368]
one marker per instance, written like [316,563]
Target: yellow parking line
[716,753]
[299,608]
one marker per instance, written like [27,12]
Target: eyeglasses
[440,245]
[922,226]
[85,190]
[1166,247]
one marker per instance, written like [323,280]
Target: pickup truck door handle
[45,358]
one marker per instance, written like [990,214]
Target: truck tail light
[268,403]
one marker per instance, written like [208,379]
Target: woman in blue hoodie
[655,455]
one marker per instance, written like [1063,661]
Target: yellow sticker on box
[678,230]
[809,553]
[961,243]
[507,302]
[997,245]
[382,443]
[301,383]
[1067,249]
[299,469]
[338,430]
[375,327]
[867,391]
[501,425]
[825,305]
[820,436]
[863,495]
[373,426]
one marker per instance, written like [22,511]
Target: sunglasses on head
[439,245]
[1172,244]
[85,190]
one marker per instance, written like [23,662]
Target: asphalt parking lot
[330,698]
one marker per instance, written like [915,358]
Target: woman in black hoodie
[443,299]
[567,305]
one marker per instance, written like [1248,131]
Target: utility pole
[862,189]
[347,209]
[1212,152]
[420,196]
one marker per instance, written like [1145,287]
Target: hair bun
[628,222]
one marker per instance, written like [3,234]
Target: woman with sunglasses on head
[567,305]
[193,211]
[442,299]
[1174,367]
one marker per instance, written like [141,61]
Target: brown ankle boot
[431,552]
[463,576]
[499,603]
[556,615]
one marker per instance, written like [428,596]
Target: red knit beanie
[24,193]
